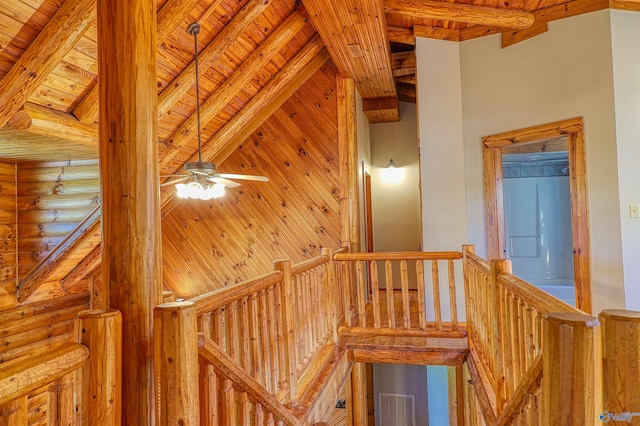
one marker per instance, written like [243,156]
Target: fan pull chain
[194,29]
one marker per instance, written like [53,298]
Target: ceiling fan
[200,179]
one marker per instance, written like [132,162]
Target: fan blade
[228,183]
[243,177]
[168,176]
[173,182]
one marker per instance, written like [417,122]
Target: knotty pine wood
[233,238]
[8,236]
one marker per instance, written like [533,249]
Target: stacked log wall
[52,199]
[8,236]
[37,326]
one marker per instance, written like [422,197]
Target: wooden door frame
[494,203]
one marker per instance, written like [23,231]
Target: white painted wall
[564,73]
[396,204]
[364,162]
[625,34]
[442,160]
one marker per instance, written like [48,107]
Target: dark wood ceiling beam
[356,36]
[401,35]
[210,54]
[47,122]
[172,13]
[236,82]
[271,97]
[55,40]
[456,12]
[552,13]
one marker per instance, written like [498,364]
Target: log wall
[52,199]
[210,244]
[8,235]
[35,327]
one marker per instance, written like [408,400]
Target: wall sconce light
[392,174]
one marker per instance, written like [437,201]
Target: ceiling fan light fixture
[199,191]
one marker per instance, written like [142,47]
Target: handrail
[25,374]
[38,274]
[307,265]
[226,367]
[217,298]
[505,317]
[406,255]
[544,302]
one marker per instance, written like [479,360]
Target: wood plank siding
[210,244]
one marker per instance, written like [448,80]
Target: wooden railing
[370,304]
[505,319]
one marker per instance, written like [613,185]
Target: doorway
[542,138]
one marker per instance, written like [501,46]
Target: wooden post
[334,291]
[131,237]
[62,409]
[100,397]
[497,318]
[208,380]
[176,363]
[572,370]
[14,413]
[348,163]
[621,352]
[290,333]
[359,394]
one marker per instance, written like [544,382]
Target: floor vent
[397,409]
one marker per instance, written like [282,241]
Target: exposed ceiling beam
[236,82]
[172,13]
[356,36]
[47,122]
[552,13]
[271,97]
[210,54]
[401,35]
[55,40]
[625,5]
[470,14]
[436,33]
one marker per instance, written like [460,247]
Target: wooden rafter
[48,122]
[172,13]
[456,12]
[208,57]
[401,35]
[289,79]
[55,40]
[236,82]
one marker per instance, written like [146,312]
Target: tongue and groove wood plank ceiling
[267,83]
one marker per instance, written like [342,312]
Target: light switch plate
[634,210]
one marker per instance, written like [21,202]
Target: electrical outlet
[634,210]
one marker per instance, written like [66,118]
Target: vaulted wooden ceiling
[254,53]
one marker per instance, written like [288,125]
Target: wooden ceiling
[254,54]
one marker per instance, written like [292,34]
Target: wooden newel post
[333,293]
[290,328]
[572,370]
[176,363]
[621,352]
[100,396]
[62,410]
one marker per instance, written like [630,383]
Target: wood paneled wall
[210,244]
[8,235]
[52,199]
